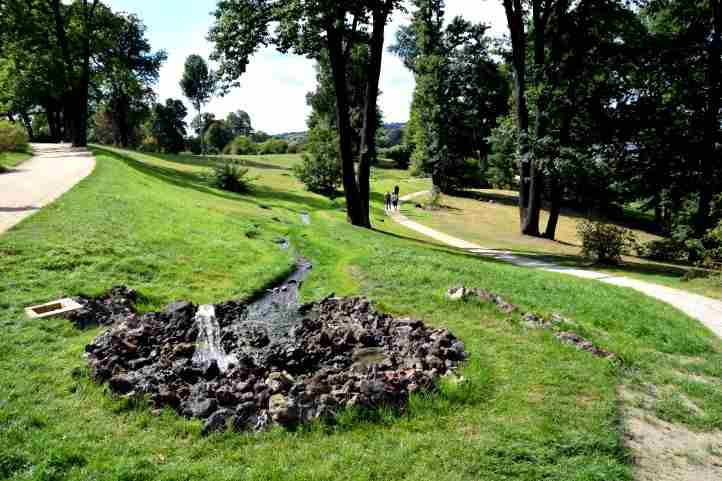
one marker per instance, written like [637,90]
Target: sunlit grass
[529,408]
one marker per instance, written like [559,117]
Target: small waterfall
[209,339]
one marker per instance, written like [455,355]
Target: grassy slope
[495,225]
[530,409]
[11,159]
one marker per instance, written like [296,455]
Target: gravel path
[706,310]
[53,170]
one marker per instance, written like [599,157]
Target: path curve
[53,170]
[706,310]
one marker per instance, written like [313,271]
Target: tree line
[62,62]
[595,104]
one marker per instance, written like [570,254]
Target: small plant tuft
[230,175]
[605,243]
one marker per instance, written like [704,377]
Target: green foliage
[502,166]
[400,154]
[663,250]
[193,145]
[198,82]
[320,169]
[218,136]
[230,175]
[239,122]
[242,145]
[13,137]
[273,146]
[605,243]
[168,127]
[294,148]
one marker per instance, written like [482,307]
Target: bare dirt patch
[664,451]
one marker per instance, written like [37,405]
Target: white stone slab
[53,308]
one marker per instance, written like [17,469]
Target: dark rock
[217,422]
[211,371]
[294,365]
[122,384]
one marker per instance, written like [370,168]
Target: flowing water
[209,339]
[271,317]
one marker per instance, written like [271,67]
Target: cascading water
[209,339]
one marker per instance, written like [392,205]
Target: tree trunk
[370,120]
[527,188]
[712,125]
[338,59]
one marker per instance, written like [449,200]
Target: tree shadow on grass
[261,196]
[637,222]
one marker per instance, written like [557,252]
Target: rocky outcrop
[328,356]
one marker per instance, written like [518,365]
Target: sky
[273,89]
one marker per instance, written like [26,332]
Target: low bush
[230,175]
[150,144]
[13,137]
[320,168]
[663,250]
[193,145]
[400,154]
[295,148]
[273,146]
[605,243]
[242,145]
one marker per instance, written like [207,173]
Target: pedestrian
[396,190]
[387,201]
[395,201]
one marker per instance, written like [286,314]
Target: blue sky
[273,90]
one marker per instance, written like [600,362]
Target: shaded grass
[529,408]
[490,218]
[12,159]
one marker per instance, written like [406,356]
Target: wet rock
[295,364]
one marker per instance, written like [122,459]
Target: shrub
[663,250]
[150,144]
[605,243]
[193,145]
[217,137]
[502,163]
[400,154]
[294,148]
[13,138]
[242,145]
[273,146]
[230,175]
[320,169]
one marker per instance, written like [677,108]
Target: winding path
[53,170]
[706,310]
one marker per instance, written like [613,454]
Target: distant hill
[393,135]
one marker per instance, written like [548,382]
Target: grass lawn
[491,219]
[530,408]
[11,159]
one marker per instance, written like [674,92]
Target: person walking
[395,201]
[387,201]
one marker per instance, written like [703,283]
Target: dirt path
[707,311]
[53,170]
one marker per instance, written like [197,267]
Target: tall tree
[307,28]
[130,69]
[199,84]
[240,123]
